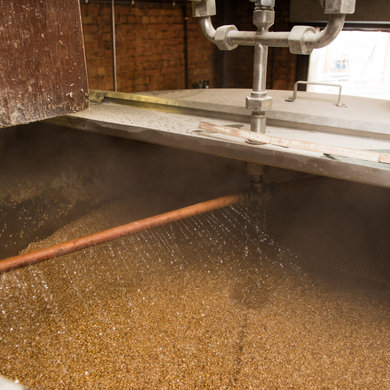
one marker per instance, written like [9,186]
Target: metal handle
[339,86]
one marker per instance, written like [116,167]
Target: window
[358,60]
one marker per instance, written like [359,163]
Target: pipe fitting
[256,173]
[263,19]
[327,35]
[264,3]
[207,28]
[202,8]
[259,102]
[221,38]
[300,40]
[297,39]
[338,6]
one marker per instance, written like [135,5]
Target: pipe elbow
[220,36]
[327,35]
[304,39]
[207,28]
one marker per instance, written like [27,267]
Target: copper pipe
[114,233]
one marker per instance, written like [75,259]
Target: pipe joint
[203,8]
[207,28]
[263,19]
[332,7]
[297,42]
[303,39]
[259,102]
[264,4]
[327,35]
[221,37]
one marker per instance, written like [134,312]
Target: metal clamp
[339,86]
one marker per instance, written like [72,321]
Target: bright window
[359,60]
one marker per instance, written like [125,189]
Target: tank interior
[182,206]
[292,290]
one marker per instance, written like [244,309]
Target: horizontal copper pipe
[114,233]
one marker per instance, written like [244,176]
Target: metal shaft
[114,233]
[258,118]
[260,68]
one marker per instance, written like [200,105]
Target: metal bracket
[339,86]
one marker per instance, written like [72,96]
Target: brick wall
[282,64]
[151,48]
[202,63]
[97,38]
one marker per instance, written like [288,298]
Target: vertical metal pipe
[225,56]
[258,118]
[113,45]
[260,68]
[258,122]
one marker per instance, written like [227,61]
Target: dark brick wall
[282,64]
[151,47]
[97,38]
[153,54]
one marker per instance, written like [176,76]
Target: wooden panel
[42,61]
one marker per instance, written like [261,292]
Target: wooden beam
[42,61]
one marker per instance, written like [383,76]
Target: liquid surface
[209,302]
